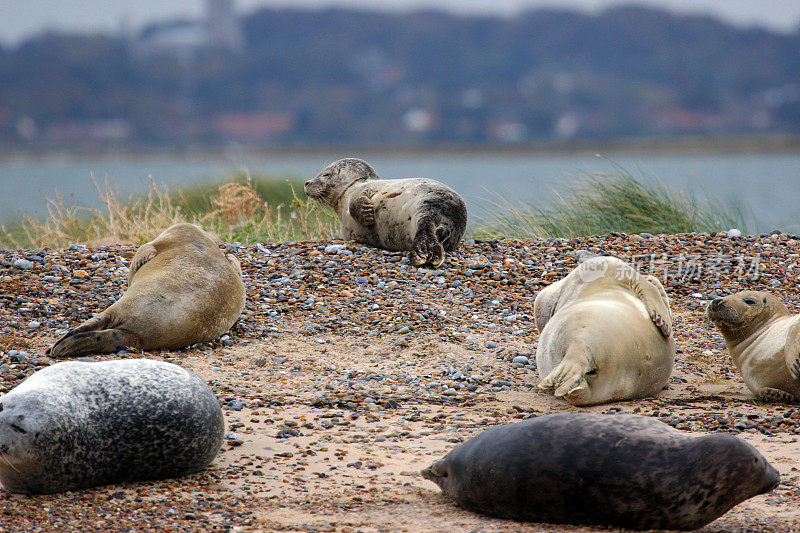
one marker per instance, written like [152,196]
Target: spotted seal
[606,334]
[181,290]
[614,470]
[74,425]
[419,215]
[763,339]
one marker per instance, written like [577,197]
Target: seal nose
[716,303]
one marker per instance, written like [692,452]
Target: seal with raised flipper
[74,425]
[605,334]
[612,470]
[181,290]
[763,339]
[419,215]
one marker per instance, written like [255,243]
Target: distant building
[252,127]
[222,26]
[220,29]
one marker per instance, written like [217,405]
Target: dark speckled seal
[75,425]
[615,470]
[419,215]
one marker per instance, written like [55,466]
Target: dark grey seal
[75,425]
[615,470]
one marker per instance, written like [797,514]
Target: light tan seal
[181,290]
[763,339]
[419,215]
[606,334]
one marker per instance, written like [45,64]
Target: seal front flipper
[144,254]
[362,210]
[791,350]
[650,291]
[767,394]
[103,341]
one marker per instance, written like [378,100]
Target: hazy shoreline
[677,145]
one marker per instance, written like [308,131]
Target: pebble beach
[350,370]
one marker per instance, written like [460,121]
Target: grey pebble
[23,264]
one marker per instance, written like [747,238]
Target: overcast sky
[22,18]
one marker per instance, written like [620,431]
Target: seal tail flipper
[87,342]
[437,472]
[95,323]
[426,248]
[568,378]
[768,394]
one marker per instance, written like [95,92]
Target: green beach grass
[262,208]
[597,204]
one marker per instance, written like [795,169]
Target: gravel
[345,347]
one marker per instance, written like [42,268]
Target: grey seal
[181,290]
[615,470]
[419,215]
[74,425]
[606,334]
[763,339]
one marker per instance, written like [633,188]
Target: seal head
[740,315]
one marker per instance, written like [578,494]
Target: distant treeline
[341,76]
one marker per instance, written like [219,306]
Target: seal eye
[592,372]
[749,301]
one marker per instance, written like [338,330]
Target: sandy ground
[334,405]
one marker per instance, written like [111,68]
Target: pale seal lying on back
[606,334]
[181,290]
[763,339]
[74,425]
[613,470]
[419,215]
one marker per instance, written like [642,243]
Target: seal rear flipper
[426,248]
[437,472]
[568,378]
[95,323]
[362,210]
[88,342]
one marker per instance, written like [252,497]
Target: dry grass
[235,211]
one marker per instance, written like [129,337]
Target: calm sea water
[766,185]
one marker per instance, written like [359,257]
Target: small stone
[79,274]
[235,405]
[23,264]
[233,439]
[33,324]
[734,233]
[491,345]
[521,359]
